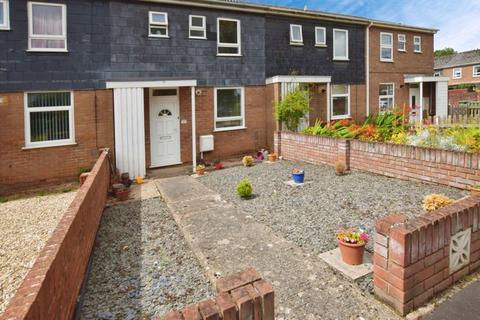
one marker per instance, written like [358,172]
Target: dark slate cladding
[284,59]
[82,67]
[136,56]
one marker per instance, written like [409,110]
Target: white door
[414,98]
[164,130]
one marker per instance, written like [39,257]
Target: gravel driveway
[26,226]
[142,266]
[310,215]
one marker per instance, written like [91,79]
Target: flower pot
[298,177]
[116,187]
[122,195]
[125,177]
[272,157]
[200,171]
[352,253]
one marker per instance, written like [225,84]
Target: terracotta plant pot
[123,194]
[117,187]
[200,171]
[272,157]
[352,254]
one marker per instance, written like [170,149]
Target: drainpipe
[194,131]
[367,68]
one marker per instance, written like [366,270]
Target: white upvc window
[476,71]
[197,27]
[228,37]
[386,97]
[402,42]
[437,74]
[457,73]
[158,24]
[340,44]
[296,34]
[47,27]
[320,36]
[386,46]
[417,44]
[49,119]
[4,15]
[229,108]
[340,101]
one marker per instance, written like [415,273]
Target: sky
[458,20]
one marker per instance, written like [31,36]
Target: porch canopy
[129,121]
[439,96]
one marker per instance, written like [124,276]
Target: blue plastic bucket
[298,177]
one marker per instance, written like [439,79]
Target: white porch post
[194,131]
[328,102]
[421,101]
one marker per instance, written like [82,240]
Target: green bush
[244,189]
[292,108]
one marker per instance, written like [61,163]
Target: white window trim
[387,95]
[31,36]
[437,74]
[241,117]
[44,144]
[473,71]
[293,41]
[156,24]
[341,95]
[338,58]
[419,42]
[318,43]
[454,71]
[404,41]
[383,46]
[203,28]
[6,18]
[229,45]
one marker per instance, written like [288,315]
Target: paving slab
[334,259]
[227,240]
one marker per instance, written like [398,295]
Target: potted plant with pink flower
[352,243]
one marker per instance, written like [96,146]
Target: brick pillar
[277,142]
[343,152]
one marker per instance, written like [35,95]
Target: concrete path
[462,306]
[227,240]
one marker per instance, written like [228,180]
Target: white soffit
[299,79]
[418,79]
[151,84]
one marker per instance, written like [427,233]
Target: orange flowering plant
[352,236]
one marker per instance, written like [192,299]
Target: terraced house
[162,82]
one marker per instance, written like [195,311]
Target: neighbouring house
[165,82]
[463,72]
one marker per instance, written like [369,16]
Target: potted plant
[200,170]
[123,194]
[247,161]
[298,175]
[352,243]
[218,165]
[292,108]
[340,168]
[244,189]
[434,202]
[272,157]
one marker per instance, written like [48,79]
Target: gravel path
[310,215]
[142,266]
[26,226]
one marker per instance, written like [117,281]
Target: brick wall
[416,259]
[457,95]
[467,75]
[242,296]
[51,287]
[456,169]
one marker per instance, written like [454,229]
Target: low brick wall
[242,296]
[455,169]
[416,259]
[51,287]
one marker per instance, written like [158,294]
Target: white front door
[164,130]
[414,98]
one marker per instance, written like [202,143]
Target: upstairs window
[47,26]
[402,42]
[4,15]
[386,97]
[457,73]
[229,109]
[158,24]
[340,44]
[476,71]
[198,27]
[437,74]
[49,119]
[417,44]
[296,34]
[386,47]
[320,36]
[340,101]
[228,37]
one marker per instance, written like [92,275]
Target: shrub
[340,168]
[245,189]
[247,161]
[436,201]
[292,108]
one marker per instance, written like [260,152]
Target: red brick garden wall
[457,95]
[51,287]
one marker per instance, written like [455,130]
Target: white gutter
[367,68]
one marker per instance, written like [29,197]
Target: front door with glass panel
[415,112]
[164,128]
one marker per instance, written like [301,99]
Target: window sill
[5,29]
[341,59]
[228,55]
[399,50]
[341,117]
[296,44]
[419,52]
[158,37]
[47,51]
[50,146]
[229,129]
[320,45]
[197,38]
[387,61]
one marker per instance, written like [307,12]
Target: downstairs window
[386,97]
[4,15]
[340,101]
[229,109]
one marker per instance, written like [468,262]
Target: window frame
[390,46]
[387,95]
[229,45]
[338,58]
[419,38]
[324,43]
[437,74]
[71,121]
[476,74]
[6,15]
[454,72]
[156,24]
[294,42]
[341,95]
[225,119]
[31,36]
[191,27]
[404,42]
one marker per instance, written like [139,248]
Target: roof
[237,5]
[458,59]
